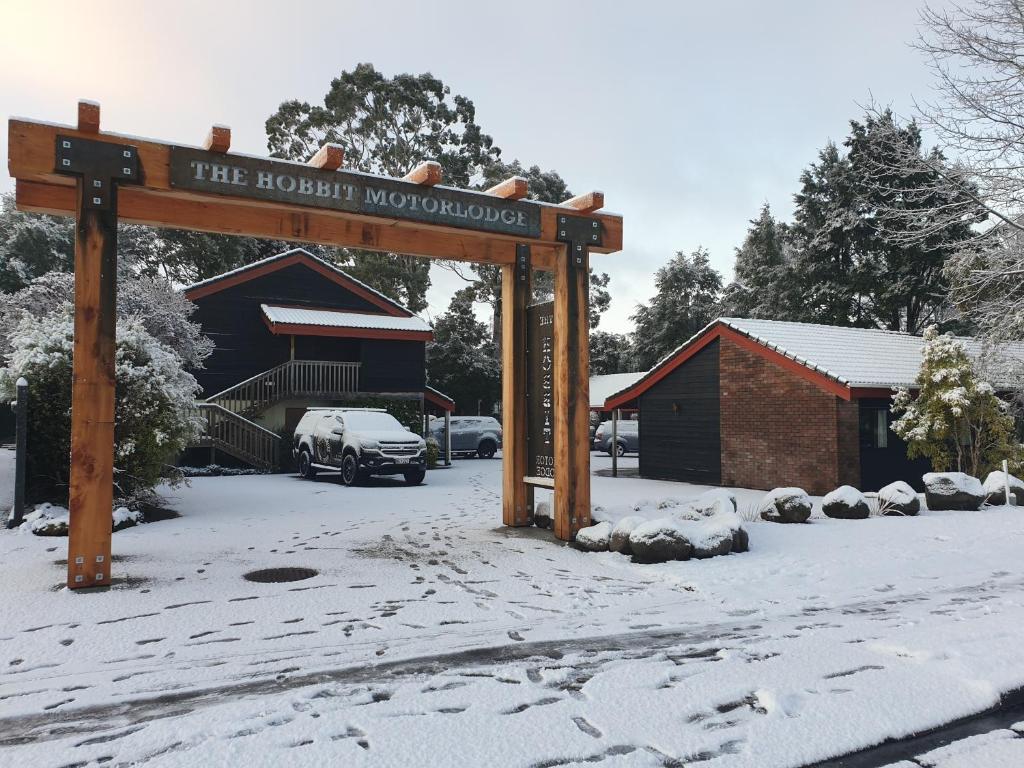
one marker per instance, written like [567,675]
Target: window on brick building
[874,427]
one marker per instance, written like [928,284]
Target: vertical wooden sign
[540,391]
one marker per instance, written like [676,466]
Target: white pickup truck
[360,442]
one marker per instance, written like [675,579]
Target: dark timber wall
[679,423]
[882,465]
[245,346]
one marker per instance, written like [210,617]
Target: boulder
[708,504]
[953,490]
[658,541]
[786,505]
[845,503]
[50,526]
[712,544]
[542,515]
[995,488]
[619,541]
[125,518]
[594,538]
[898,500]
[740,540]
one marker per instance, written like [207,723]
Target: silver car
[627,433]
[471,435]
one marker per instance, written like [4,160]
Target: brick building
[764,403]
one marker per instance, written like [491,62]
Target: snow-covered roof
[857,358]
[608,384]
[293,252]
[332,318]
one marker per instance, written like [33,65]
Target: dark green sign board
[285,182]
[540,390]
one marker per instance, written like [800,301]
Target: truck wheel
[415,477]
[487,449]
[306,468]
[350,474]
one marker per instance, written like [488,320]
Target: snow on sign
[540,418]
[286,182]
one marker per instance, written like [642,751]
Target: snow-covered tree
[163,311]
[687,300]
[461,361]
[611,353]
[763,280]
[956,421]
[153,412]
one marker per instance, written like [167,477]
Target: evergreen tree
[828,233]
[956,421]
[387,126]
[611,353]
[687,300]
[460,360]
[762,284]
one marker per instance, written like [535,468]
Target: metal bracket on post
[579,232]
[101,164]
[522,263]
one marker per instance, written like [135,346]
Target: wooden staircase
[228,415]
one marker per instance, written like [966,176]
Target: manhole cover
[277,575]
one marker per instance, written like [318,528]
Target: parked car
[479,435]
[627,432]
[360,442]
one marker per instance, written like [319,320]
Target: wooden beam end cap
[88,116]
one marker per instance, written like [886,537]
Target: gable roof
[840,360]
[289,258]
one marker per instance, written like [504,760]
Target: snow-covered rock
[47,520]
[594,538]
[51,520]
[659,540]
[619,541]
[542,515]
[126,518]
[708,504]
[995,488]
[845,503]
[740,540]
[953,490]
[898,499]
[786,505]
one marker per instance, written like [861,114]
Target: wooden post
[517,496]
[92,393]
[615,443]
[447,438]
[572,391]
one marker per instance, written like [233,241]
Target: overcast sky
[688,115]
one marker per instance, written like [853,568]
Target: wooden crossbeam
[137,205]
[329,157]
[31,159]
[88,116]
[427,173]
[515,188]
[586,203]
[218,139]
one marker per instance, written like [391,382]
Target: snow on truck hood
[388,436]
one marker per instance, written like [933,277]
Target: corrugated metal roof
[330,318]
[857,357]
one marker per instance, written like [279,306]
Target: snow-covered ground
[433,636]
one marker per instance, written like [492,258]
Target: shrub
[433,453]
[153,419]
[956,421]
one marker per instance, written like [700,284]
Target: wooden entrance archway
[102,178]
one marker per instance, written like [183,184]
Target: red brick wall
[779,429]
